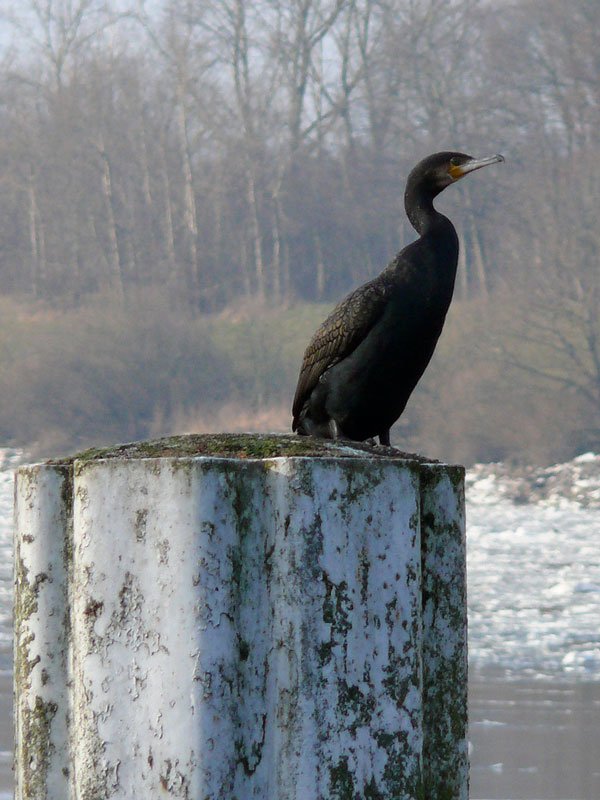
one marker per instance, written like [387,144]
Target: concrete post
[240,617]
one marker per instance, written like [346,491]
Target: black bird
[364,361]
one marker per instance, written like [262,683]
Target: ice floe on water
[533,538]
[573,484]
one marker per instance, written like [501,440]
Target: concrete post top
[254,446]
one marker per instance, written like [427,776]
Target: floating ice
[533,545]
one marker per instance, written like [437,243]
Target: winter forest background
[187,186]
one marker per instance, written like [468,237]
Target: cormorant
[364,361]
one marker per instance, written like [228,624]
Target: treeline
[103,374]
[229,148]
[227,152]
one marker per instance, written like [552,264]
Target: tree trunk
[115,259]
[257,247]
[189,201]
[36,240]
[169,233]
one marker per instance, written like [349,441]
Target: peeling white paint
[248,628]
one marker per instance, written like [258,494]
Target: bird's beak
[461,170]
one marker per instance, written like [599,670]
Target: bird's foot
[334,429]
[384,438]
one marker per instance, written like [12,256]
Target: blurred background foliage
[186,188]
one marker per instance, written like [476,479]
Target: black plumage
[364,361]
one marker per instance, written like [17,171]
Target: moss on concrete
[36,747]
[341,781]
[26,604]
[239,445]
[445,668]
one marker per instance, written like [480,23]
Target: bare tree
[556,329]
[60,30]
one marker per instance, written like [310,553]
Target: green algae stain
[242,445]
[325,653]
[372,792]
[36,748]
[241,490]
[341,781]
[226,445]
[444,615]
[26,605]
[356,707]
[26,600]
[364,568]
[336,607]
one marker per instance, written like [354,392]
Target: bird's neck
[418,202]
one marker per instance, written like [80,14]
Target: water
[534,633]
[534,739]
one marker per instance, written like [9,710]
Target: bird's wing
[337,337]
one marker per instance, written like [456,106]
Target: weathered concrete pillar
[240,617]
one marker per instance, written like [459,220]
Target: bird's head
[442,169]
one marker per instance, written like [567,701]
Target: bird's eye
[455,161]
